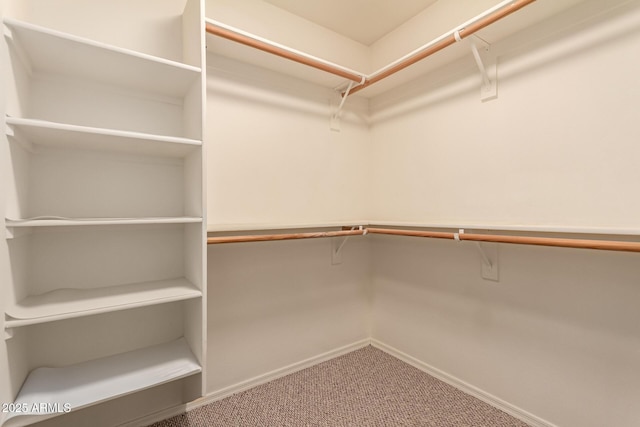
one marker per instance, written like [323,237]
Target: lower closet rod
[290,236]
[606,245]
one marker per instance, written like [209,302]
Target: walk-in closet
[210,199]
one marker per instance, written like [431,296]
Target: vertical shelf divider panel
[194,54]
[71,99]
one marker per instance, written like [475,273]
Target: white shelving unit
[104,217]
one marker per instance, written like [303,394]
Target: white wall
[268,21]
[557,336]
[557,148]
[276,304]
[273,160]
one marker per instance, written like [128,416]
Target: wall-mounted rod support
[336,249]
[344,241]
[486,82]
[489,254]
[225,31]
[483,255]
[336,115]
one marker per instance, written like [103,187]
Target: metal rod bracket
[489,254]
[335,117]
[337,245]
[488,72]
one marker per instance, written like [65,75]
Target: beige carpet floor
[366,387]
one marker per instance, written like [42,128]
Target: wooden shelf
[60,135]
[73,222]
[99,380]
[54,52]
[67,303]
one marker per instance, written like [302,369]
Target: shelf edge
[43,124]
[73,222]
[17,323]
[14,23]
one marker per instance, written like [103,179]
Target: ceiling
[364,21]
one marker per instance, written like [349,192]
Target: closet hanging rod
[470,27]
[289,236]
[230,33]
[607,245]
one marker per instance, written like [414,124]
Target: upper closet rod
[248,39]
[457,34]
[470,27]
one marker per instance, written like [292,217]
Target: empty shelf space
[69,303]
[54,52]
[60,135]
[49,391]
[46,221]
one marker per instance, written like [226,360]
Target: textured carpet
[364,388]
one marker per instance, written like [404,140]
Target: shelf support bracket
[488,73]
[13,232]
[16,47]
[16,136]
[8,332]
[336,246]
